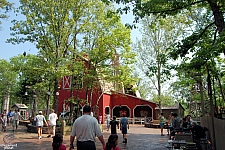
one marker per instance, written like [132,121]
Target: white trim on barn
[144,105]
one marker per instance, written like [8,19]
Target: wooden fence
[219,128]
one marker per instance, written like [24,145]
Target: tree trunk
[211,107]
[221,88]
[218,15]
[87,95]
[55,95]
[214,95]
[71,96]
[159,87]
[91,93]
[202,98]
[35,97]
[48,101]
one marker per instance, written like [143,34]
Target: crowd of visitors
[183,126]
[85,129]
[10,118]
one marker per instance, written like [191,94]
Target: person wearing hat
[40,119]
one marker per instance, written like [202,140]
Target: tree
[212,12]
[30,75]
[7,83]
[165,99]
[5,6]
[61,31]
[157,36]
[53,26]
[107,44]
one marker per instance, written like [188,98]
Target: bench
[154,124]
[187,137]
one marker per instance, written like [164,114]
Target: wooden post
[63,127]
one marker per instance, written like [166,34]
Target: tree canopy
[209,12]
[5,6]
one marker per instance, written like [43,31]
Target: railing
[135,120]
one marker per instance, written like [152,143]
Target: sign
[8,139]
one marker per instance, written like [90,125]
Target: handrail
[134,120]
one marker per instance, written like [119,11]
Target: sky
[8,50]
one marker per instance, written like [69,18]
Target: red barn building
[104,100]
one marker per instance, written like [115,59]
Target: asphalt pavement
[139,138]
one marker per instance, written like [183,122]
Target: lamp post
[48,102]
[34,106]
[55,106]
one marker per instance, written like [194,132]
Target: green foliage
[7,80]
[65,33]
[166,100]
[5,6]
[158,34]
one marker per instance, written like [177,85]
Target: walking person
[40,119]
[10,115]
[107,121]
[112,143]
[113,123]
[57,142]
[85,128]
[16,118]
[124,125]
[100,119]
[4,120]
[52,118]
[161,123]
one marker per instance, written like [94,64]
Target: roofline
[132,96]
[172,107]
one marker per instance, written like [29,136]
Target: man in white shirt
[85,128]
[16,118]
[52,118]
[40,119]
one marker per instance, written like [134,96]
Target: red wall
[130,101]
[116,99]
[81,94]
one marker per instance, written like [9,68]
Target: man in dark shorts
[113,123]
[124,125]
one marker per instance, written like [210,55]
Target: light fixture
[26,93]
[57,93]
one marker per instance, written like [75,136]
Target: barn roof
[176,106]
[20,106]
[132,96]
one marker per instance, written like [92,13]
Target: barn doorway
[143,111]
[118,111]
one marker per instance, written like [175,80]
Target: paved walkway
[139,138]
